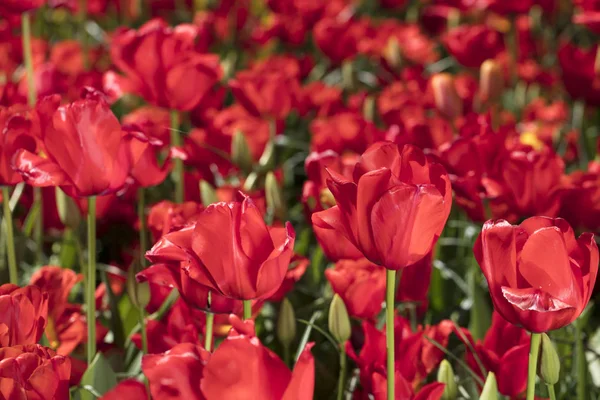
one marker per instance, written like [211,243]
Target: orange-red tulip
[23,314]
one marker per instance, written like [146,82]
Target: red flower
[540,277]
[33,372]
[360,284]
[15,135]
[338,37]
[505,352]
[298,266]
[167,216]
[578,66]
[506,7]
[154,122]
[346,131]
[85,147]
[127,389]
[230,250]
[158,78]
[396,193]
[471,45]
[581,202]
[414,285]
[228,375]
[19,6]
[23,315]
[177,373]
[145,170]
[267,94]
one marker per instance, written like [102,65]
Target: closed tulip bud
[139,292]
[446,376]
[207,193]
[453,20]
[339,322]
[392,53]
[240,152]
[267,159]
[491,81]
[274,196]
[369,108]
[286,324]
[447,101]
[549,365]
[68,211]
[490,389]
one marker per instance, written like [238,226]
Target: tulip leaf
[98,378]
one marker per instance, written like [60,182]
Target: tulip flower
[177,373]
[20,6]
[537,301]
[167,216]
[33,372]
[23,316]
[230,250]
[242,365]
[296,270]
[462,41]
[158,79]
[129,389]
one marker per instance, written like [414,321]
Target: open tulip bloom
[287,199]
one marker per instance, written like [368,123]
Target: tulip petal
[38,171]
[532,299]
[301,386]
[377,156]
[512,371]
[334,235]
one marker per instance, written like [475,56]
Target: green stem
[10,238]
[144,345]
[342,377]
[28,58]
[143,234]
[39,226]
[534,350]
[581,364]
[247,309]
[177,174]
[83,13]
[90,286]
[578,114]
[208,334]
[551,392]
[512,44]
[287,355]
[390,285]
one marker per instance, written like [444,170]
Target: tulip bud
[139,292]
[447,101]
[597,62]
[274,196]
[549,364]
[286,324]
[490,389]
[251,181]
[491,82]
[267,159]
[369,108]
[240,152]
[68,211]
[339,321]
[207,193]
[446,375]
[453,19]
[392,53]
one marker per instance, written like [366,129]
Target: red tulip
[395,207]
[177,373]
[338,37]
[505,352]
[19,6]
[267,94]
[347,131]
[360,284]
[581,201]
[158,78]
[33,372]
[230,250]
[579,75]
[298,266]
[23,314]
[154,122]
[242,365]
[86,150]
[167,216]
[15,135]
[540,277]
[145,170]
[128,389]
[414,285]
[471,45]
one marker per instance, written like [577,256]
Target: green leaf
[130,315]
[99,377]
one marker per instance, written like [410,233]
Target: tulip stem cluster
[390,285]
[208,333]
[342,377]
[177,174]
[10,238]
[91,280]
[534,350]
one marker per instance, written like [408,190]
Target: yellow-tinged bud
[240,152]
[267,159]
[392,53]
[339,321]
[446,375]
[207,193]
[490,389]
[286,323]
[68,211]
[531,139]
[491,82]
[549,364]
[447,101]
